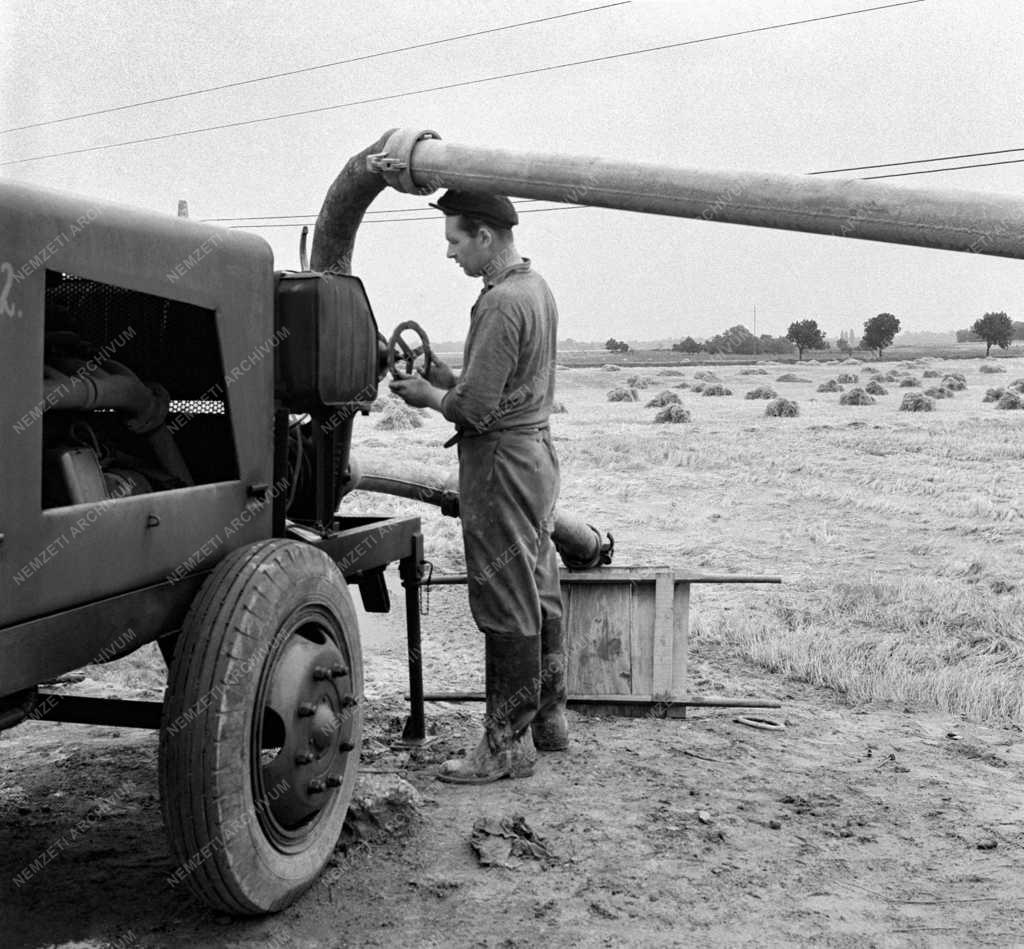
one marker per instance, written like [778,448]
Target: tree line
[994,329]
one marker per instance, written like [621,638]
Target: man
[508,485]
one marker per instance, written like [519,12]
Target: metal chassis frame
[361,546]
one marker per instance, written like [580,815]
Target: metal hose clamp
[394,162]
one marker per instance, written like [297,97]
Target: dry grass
[782,408]
[674,414]
[762,392]
[989,367]
[856,397]
[921,641]
[916,402]
[668,397]
[398,417]
[622,394]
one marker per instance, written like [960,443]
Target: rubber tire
[206,785]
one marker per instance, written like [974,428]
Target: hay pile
[989,367]
[874,387]
[1010,400]
[916,402]
[671,372]
[791,377]
[754,372]
[931,374]
[892,376]
[911,382]
[639,382]
[706,376]
[993,395]
[856,397]
[762,392]
[1017,385]
[715,389]
[398,417]
[610,367]
[939,392]
[668,397]
[847,378]
[830,386]
[674,414]
[954,381]
[622,394]
[782,408]
[682,385]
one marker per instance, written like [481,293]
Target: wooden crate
[626,631]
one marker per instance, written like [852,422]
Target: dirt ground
[871,824]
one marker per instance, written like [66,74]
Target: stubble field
[887,813]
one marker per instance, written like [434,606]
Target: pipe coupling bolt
[394,163]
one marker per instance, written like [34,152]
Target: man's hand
[416,391]
[440,374]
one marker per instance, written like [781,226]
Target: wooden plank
[680,639]
[662,646]
[642,597]
[626,574]
[597,623]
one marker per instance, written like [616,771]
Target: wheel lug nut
[346,746]
[321,672]
[333,781]
[305,758]
[306,709]
[316,786]
[338,670]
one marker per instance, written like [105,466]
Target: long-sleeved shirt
[508,364]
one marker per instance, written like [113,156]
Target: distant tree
[844,344]
[805,334]
[774,345]
[616,346]
[879,332]
[736,339]
[688,345]
[996,329]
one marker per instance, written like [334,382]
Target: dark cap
[494,209]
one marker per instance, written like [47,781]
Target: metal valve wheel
[399,349]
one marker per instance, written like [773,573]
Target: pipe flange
[394,162]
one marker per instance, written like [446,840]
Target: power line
[932,171]
[305,69]
[922,161]
[393,220]
[315,214]
[457,85]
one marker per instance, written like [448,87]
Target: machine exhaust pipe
[579,544]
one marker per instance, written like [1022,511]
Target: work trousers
[508,486]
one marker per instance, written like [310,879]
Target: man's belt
[461,433]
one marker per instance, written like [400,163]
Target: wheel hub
[307,724]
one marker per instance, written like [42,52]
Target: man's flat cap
[492,209]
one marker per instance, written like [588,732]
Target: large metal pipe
[978,222]
[579,544]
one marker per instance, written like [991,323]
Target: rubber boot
[550,728]
[513,689]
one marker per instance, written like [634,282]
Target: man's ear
[486,236]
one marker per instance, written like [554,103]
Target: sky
[939,77]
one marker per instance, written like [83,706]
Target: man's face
[470,253]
